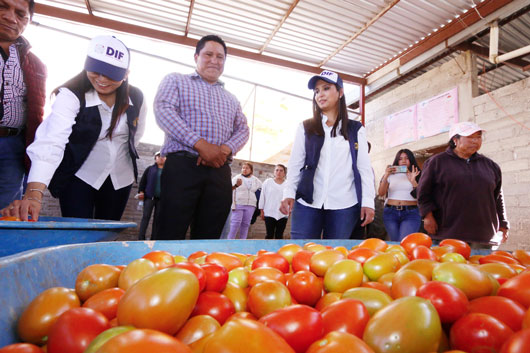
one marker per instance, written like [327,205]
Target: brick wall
[132,214]
[506,142]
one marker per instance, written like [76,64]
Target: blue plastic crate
[50,231]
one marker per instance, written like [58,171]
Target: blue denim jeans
[12,151]
[399,224]
[309,223]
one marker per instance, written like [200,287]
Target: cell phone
[401,169]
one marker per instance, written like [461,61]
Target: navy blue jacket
[85,133]
[148,181]
[313,145]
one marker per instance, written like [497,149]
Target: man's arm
[240,133]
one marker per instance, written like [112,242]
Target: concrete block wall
[50,206]
[505,141]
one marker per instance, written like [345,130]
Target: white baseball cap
[326,75]
[465,128]
[108,56]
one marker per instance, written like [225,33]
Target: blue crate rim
[67,223]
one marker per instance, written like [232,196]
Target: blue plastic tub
[25,275]
[50,231]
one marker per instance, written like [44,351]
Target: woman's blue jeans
[310,223]
[400,223]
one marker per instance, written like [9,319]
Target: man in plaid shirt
[204,127]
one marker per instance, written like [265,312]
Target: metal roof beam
[52,11]
[190,12]
[278,26]
[88,7]
[360,31]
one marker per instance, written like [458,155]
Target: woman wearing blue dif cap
[85,151]
[330,186]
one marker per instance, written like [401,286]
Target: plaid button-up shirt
[187,108]
[14,88]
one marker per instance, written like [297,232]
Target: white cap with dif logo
[108,56]
[465,128]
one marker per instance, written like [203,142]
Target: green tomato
[343,275]
[104,336]
[453,257]
[239,276]
[378,265]
[408,324]
[473,282]
[373,299]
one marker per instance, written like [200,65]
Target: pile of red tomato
[376,297]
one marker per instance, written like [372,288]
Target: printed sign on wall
[400,127]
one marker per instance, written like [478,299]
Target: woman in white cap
[460,191]
[330,186]
[85,151]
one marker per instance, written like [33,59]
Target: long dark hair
[80,83]
[315,125]
[411,157]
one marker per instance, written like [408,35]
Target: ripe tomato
[21,348]
[422,266]
[289,250]
[302,261]
[362,254]
[105,302]
[374,244]
[408,324]
[263,274]
[162,301]
[479,333]
[135,271]
[95,278]
[305,287]
[268,296]
[75,329]
[197,256]
[517,288]
[327,299]
[373,299]
[196,270]
[226,260]
[473,282]
[215,304]
[196,328]
[323,259]
[271,259]
[460,246]
[380,264]
[299,325]
[38,317]
[498,258]
[340,342]
[379,286]
[423,252]
[346,315]
[414,239]
[406,283]
[498,270]
[143,340]
[216,277]
[517,343]
[449,301]
[343,275]
[523,256]
[506,310]
[242,335]
[161,259]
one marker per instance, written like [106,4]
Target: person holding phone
[401,215]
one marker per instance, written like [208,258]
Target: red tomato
[216,277]
[241,335]
[95,278]
[194,257]
[196,270]
[289,250]
[215,304]
[271,259]
[143,340]
[135,271]
[323,259]
[517,343]
[105,302]
[523,256]
[302,261]
[517,288]
[414,239]
[327,299]
[262,274]
[498,258]
[21,348]
[75,329]
[449,301]
[376,285]
[406,283]
[305,287]
[374,244]
[161,259]
[242,315]
[265,297]
[299,325]
[346,315]
[460,246]
[197,327]
[501,308]
[479,333]
[423,252]
[361,255]
[39,316]
[226,260]
[340,342]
